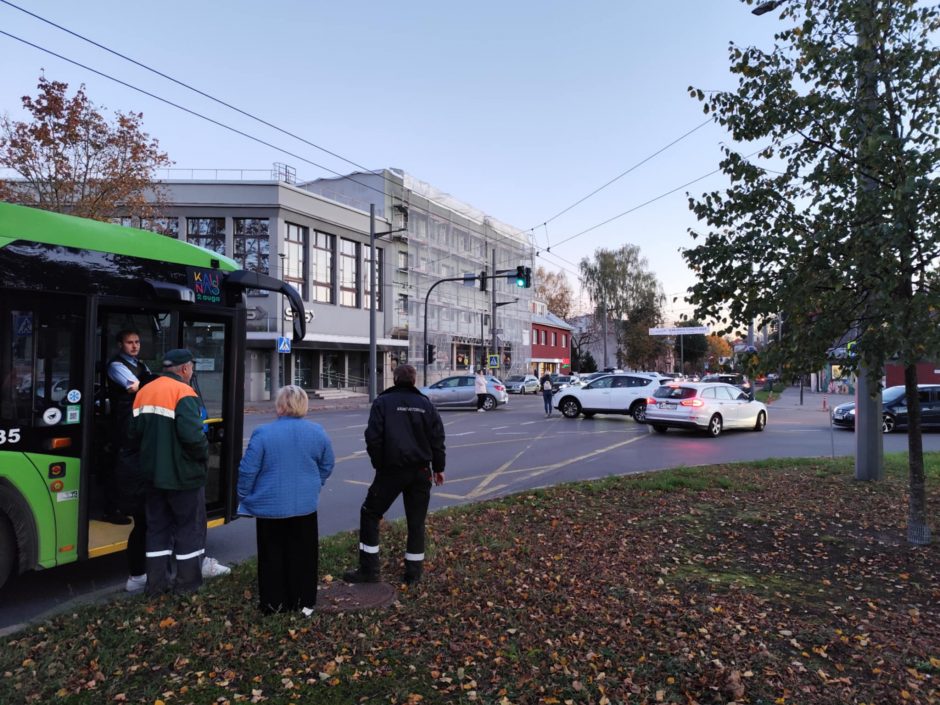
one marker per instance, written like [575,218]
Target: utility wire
[287,132]
[187,110]
[616,178]
[659,197]
[189,87]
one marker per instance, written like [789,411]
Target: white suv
[610,394]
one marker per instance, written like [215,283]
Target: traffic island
[338,596]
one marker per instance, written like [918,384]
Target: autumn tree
[71,159]
[842,230]
[640,349]
[718,349]
[553,288]
[619,282]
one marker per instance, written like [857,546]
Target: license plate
[665,405]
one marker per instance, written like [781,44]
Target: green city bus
[67,287]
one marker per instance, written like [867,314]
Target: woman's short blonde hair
[291,401]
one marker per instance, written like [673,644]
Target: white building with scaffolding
[445,239]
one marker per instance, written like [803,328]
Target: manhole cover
[339,596]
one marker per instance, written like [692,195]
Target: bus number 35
[11,435]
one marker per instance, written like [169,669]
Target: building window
[207,232]
[403,304]
[164,226]
[544,337]
[403,260]
[554,339]
[125,221]
[252,244]
[564,340]
[348,273]
[367,297]
[322,267]
[295,266]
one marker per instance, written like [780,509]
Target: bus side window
[16,366]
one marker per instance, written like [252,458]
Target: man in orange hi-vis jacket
[173,451]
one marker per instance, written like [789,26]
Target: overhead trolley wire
[616,178]
[188,87]
[185,109]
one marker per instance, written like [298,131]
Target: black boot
[413,570]
[368,570]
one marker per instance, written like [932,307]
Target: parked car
[704,406]
[590,377]
[894,409]
[734,379]
[608,394]
[523,384]
[562,381]
[60,387]
[458,391]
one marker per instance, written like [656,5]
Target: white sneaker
[211,568]
[481,410]
[136,583]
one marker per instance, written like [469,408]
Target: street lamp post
[373,236]
[282,367]
[869,444]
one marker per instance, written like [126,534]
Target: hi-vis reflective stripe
[186,556]
[158,410]
[368,549]
[414,556]
[157,554]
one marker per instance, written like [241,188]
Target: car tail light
[692,402]
[650,401]
[499,387]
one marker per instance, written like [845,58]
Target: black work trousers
[288,562]
[415,487]
[176,528]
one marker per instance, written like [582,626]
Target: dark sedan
[894,409]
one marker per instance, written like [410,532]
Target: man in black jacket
[405,442]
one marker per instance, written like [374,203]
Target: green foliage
[840,231]
[691,348]
[587,363]
[620,280]
[839,235]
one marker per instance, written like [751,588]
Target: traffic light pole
[483,276]
[426,297]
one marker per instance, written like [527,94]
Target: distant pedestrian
[279,480]
[405,442]
[479,387]
[545,383]
[173,453]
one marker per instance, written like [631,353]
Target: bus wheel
[7,549]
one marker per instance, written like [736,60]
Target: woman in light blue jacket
[279,480]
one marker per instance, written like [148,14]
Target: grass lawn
[766,583]
[773,393]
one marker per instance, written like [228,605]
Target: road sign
[493,361]
[679,330]
[283,344]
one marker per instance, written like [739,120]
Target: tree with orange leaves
[69,158]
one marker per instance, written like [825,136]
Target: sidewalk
[267,406]
[812,401]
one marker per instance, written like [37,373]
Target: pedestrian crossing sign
[494,361]
[283,344]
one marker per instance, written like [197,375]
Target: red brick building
[551,342]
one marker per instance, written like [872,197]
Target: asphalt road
[488,455]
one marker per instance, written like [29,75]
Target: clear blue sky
[518,108]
